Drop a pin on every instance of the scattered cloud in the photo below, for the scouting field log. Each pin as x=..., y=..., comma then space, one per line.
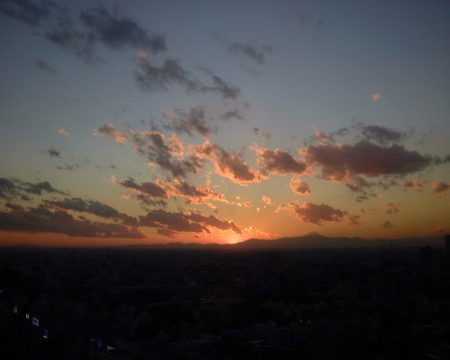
x=391, y=208
x=44, y=66
x=53, y=152
x=414, y=184
x=26, y=11
x=171, y=223
x=278, y=161
x=341, y=161
x=195, y=120
x=267, y=200
x=262, y=134
x=314, y=213
x=227, y=164
x=387, y=225
x=380, y=134
x=151, y=77
x=299, y=187
x=63, y=132
x=376, y=96
x=439, y=187
x=42, y=219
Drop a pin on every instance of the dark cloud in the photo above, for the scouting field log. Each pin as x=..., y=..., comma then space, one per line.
x=234, y=113
x=174, y=222
x=380, y=134
x=248, y=50
x=165, y=153
x=79, y=43
x=155, y=78
x=53, y=152
x=44, y=66
x=279, y=162
x=316, y=214
x=80, y=35
x=92, y=207
x=118, y=32
x=148, y=188
x=228, y=164
x=364, y=158
x=195, y=120
x=27, y=11
x=159, y=78
x=8, y=188
x=42, y=219
x=39, y=188
x=13, y=188
x=439, y=187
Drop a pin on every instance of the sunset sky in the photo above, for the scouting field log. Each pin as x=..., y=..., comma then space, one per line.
x=217, y=121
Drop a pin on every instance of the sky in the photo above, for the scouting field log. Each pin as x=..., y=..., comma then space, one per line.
x=141, y=122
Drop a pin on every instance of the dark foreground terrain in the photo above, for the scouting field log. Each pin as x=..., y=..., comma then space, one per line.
x=380, y=303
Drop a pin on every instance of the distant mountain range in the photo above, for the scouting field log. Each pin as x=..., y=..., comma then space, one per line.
x=308, y=241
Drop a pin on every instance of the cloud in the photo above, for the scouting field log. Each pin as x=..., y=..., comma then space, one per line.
x=109, y=130
x=234, y=113
x=42, y=219
x=376, y=96
x=164, y=153
x=148, y=188
x=387, y=225
x=227, y=164
x=175, y=222
x=13, y=188
x=278, y=161
x=7, y=188
x=391, y=208
x=156, y=78
x=341, y=161
x=26, y=11
x=119, y=32
x=267, y=200
x=314, y=213
x=44, y=66
x=262, y=134
x=380, y=134
x=248, y=50
x=195, y=120
x=63, y=132
x=53, y=152
x=414, y=184
x=92, y=207
x=439, y=187
x=299, y=187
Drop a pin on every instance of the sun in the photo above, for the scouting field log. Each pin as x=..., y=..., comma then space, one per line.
x=233, y=238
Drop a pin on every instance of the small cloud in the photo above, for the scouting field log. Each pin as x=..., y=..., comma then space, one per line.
x=387, y=225
x=376, y=97
x=53, y=152
x=439, y=187
x=267, y=200
x=299, y=187
x=391, y=208
x=63, y=132
x=44, y=66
